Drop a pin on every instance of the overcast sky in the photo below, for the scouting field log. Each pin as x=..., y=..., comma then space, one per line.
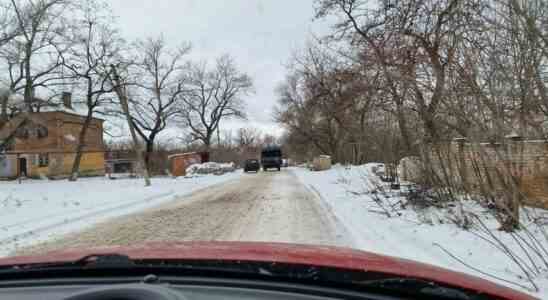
x=260, y=34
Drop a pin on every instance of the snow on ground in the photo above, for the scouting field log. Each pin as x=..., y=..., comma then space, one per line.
x=408, y=236
x=211, y=168
x=38, y=210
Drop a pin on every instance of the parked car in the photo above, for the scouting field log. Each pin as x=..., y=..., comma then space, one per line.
x=271, y=158
x=252, y=165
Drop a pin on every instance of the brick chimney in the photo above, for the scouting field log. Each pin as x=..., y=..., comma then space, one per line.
x=67, y=100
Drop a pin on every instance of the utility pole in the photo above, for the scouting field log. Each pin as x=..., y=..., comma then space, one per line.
x=122, y=96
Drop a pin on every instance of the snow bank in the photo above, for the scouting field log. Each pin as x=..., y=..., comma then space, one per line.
x=211, y=168
x=347, y=193
x=38, y=210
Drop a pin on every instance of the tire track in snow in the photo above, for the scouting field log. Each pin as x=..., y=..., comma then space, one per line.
x=50, y=216
x=344, y=234
x=92, y=214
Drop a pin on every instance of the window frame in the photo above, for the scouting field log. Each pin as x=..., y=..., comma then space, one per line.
x=43, y=160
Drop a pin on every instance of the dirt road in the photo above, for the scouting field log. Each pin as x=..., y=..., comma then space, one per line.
x=268, y=206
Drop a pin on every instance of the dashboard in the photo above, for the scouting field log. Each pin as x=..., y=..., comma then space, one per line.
x=176, y=289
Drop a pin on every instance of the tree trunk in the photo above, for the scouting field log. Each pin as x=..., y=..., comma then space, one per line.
x=512, y=202
x=402, y=124
x=207, y=145
x=511, y=221
x=136, y=144
x=148, y=151
x=122, y=96
x=29, y=93
x=207, y=140
x=28, y=98
x=4, y=110
x=80, y=148
x=218, y=135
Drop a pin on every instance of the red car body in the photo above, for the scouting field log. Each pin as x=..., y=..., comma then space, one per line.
x=340, y=258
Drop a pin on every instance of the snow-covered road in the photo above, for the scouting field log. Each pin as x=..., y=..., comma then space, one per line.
x=268, y=206
x=333, y=207
x=39, y=210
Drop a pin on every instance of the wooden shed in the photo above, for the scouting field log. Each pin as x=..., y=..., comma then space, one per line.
x=180, y=162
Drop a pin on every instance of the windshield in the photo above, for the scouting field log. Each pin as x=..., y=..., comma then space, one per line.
x=272, y=153
x=412, y=129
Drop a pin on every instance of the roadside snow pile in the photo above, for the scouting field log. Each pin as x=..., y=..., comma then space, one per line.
x=382, y=220
x=211, y=168
x=38, y=210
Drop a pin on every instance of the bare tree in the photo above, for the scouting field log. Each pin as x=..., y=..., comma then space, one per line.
x=247, y=137
x=8, y=32
x=526, y=22
x=9, y=29
x=95, y=47
x=213, y=95
x=366, y=27
x=475, y=69
x=326, y=100
x=34, y=57
x=160, y=83
x=248, y=142
x=297, y=115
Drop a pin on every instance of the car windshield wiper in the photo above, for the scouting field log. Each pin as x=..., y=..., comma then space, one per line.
x=123, y=262
x=99, y=260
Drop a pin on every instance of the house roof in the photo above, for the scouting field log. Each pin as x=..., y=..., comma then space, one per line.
x=8, y=130
x=66, y=111
x=18, y=101
x=62, y=109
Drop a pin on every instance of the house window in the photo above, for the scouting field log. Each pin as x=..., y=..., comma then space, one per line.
x=42, y=132
x=22, y=133
x=43, y=160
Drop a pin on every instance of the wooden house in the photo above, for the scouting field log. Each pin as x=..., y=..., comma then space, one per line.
x=44, y=144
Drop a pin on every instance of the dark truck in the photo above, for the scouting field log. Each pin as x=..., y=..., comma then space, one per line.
x=271, y=158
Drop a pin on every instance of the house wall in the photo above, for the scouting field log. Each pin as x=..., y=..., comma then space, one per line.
x=59, y=145
x=63, y=133
x=8, y=166
x=60, y=165
x=32, y=142
x=92, y=164
x=70, y=130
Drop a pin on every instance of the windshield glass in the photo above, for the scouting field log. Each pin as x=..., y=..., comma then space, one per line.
x=412, y=129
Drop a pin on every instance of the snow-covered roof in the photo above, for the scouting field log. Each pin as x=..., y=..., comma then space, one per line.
x=513, y=135
x=16, y=99
x=182, y=154
x=62, y=108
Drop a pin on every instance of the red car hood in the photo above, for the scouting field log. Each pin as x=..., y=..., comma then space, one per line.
x=335, y=257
